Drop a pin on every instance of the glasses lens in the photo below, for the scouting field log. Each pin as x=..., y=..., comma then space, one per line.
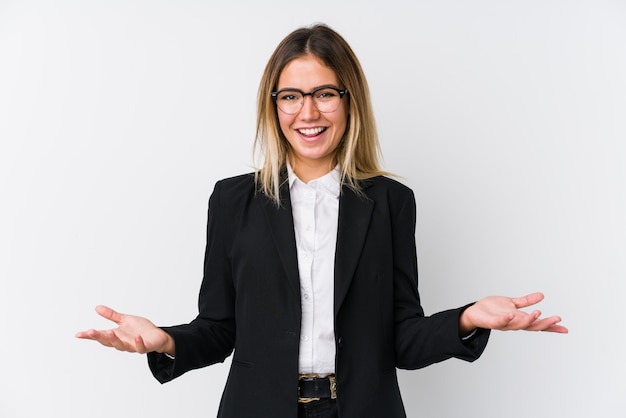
x=326, y=100
x=289, y=101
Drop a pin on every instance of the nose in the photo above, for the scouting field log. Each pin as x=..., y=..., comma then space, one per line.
x=308, y=111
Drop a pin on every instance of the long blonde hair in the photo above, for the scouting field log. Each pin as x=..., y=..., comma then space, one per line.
x=358, y=153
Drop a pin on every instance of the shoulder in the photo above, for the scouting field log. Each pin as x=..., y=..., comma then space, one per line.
x=396, y=199
x=386, y=185
x=234, y=188
x=237, y=182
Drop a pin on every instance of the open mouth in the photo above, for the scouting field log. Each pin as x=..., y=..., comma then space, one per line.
x=311, y=132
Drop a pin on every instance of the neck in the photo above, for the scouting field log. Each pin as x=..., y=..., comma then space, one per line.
x=307, y=172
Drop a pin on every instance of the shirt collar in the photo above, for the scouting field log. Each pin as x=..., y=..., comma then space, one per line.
x=330, y=182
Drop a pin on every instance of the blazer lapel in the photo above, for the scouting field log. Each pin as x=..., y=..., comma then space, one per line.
x=283, y=235
x=354, y=217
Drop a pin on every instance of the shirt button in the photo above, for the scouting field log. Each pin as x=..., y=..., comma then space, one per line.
x=305, y=338
x=306, y=295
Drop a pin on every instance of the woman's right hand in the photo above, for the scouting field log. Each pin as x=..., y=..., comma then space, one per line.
x=133, y=334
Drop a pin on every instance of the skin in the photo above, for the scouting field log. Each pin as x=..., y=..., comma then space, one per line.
x=504, y=314
x=312, y=156
x=134, y=334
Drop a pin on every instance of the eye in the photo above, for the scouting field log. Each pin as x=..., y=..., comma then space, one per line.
x=289, y=96
x=325, y=94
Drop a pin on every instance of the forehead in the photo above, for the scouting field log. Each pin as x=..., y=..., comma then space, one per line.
x=306, y=73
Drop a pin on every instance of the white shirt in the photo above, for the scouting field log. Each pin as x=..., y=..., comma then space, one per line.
x=315, y=207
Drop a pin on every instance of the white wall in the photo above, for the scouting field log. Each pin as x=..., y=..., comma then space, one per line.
x=507, y=118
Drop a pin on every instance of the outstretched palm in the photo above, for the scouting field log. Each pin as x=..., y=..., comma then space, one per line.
x=133, y=333
x=503, y=313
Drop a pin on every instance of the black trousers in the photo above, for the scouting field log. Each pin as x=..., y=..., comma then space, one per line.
x=324, y=408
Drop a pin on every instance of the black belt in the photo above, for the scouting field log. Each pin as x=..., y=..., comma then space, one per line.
x=315, y=388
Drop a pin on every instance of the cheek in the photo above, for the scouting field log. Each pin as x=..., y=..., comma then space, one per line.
x=342, y=119
x=342, y=124
x=284, y=122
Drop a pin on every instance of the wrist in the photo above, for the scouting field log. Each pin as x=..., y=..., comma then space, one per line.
x=169, y=347
x=466, y=326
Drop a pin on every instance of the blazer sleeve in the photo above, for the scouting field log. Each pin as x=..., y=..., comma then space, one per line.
x=422, y=340
x=210, y=337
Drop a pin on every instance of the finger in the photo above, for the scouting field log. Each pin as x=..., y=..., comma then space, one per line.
x=558, y=329
x=528, y=322
x=100, y=336
x=116, y=342
x=504, y=321
x=527, y=300
x=90, y=334
x=108, y=313
x=546, y=324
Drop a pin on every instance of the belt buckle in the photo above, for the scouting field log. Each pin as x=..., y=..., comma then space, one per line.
x=333, y=386
x=304, y=377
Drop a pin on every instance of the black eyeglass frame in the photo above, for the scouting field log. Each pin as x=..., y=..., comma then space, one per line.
x=341, y=93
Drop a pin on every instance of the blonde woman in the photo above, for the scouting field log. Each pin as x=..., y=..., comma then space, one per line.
x=310, y=277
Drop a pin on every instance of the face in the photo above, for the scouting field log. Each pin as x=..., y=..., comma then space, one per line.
x=313, y=135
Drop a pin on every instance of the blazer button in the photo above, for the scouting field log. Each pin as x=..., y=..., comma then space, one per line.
x=340, y=342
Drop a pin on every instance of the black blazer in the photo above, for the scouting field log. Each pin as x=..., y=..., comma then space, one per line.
x=250, y=301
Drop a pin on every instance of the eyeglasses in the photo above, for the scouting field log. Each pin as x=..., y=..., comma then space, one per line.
x=325, y=98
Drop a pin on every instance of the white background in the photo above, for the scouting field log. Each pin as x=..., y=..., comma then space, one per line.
x=507, y=118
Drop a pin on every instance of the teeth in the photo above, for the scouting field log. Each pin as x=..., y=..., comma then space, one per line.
x=311, y=131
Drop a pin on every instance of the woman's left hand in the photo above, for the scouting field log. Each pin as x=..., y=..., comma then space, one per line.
x=503, y=313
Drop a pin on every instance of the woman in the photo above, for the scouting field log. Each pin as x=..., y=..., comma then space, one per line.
x=310, y=268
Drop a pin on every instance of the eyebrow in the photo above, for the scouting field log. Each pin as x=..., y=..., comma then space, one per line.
x=314, y=88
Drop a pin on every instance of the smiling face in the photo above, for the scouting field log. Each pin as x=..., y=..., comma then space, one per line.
x=313, y=136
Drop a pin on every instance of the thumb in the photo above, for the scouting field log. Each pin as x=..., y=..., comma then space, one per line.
x=528, y=300
x=108, y=313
